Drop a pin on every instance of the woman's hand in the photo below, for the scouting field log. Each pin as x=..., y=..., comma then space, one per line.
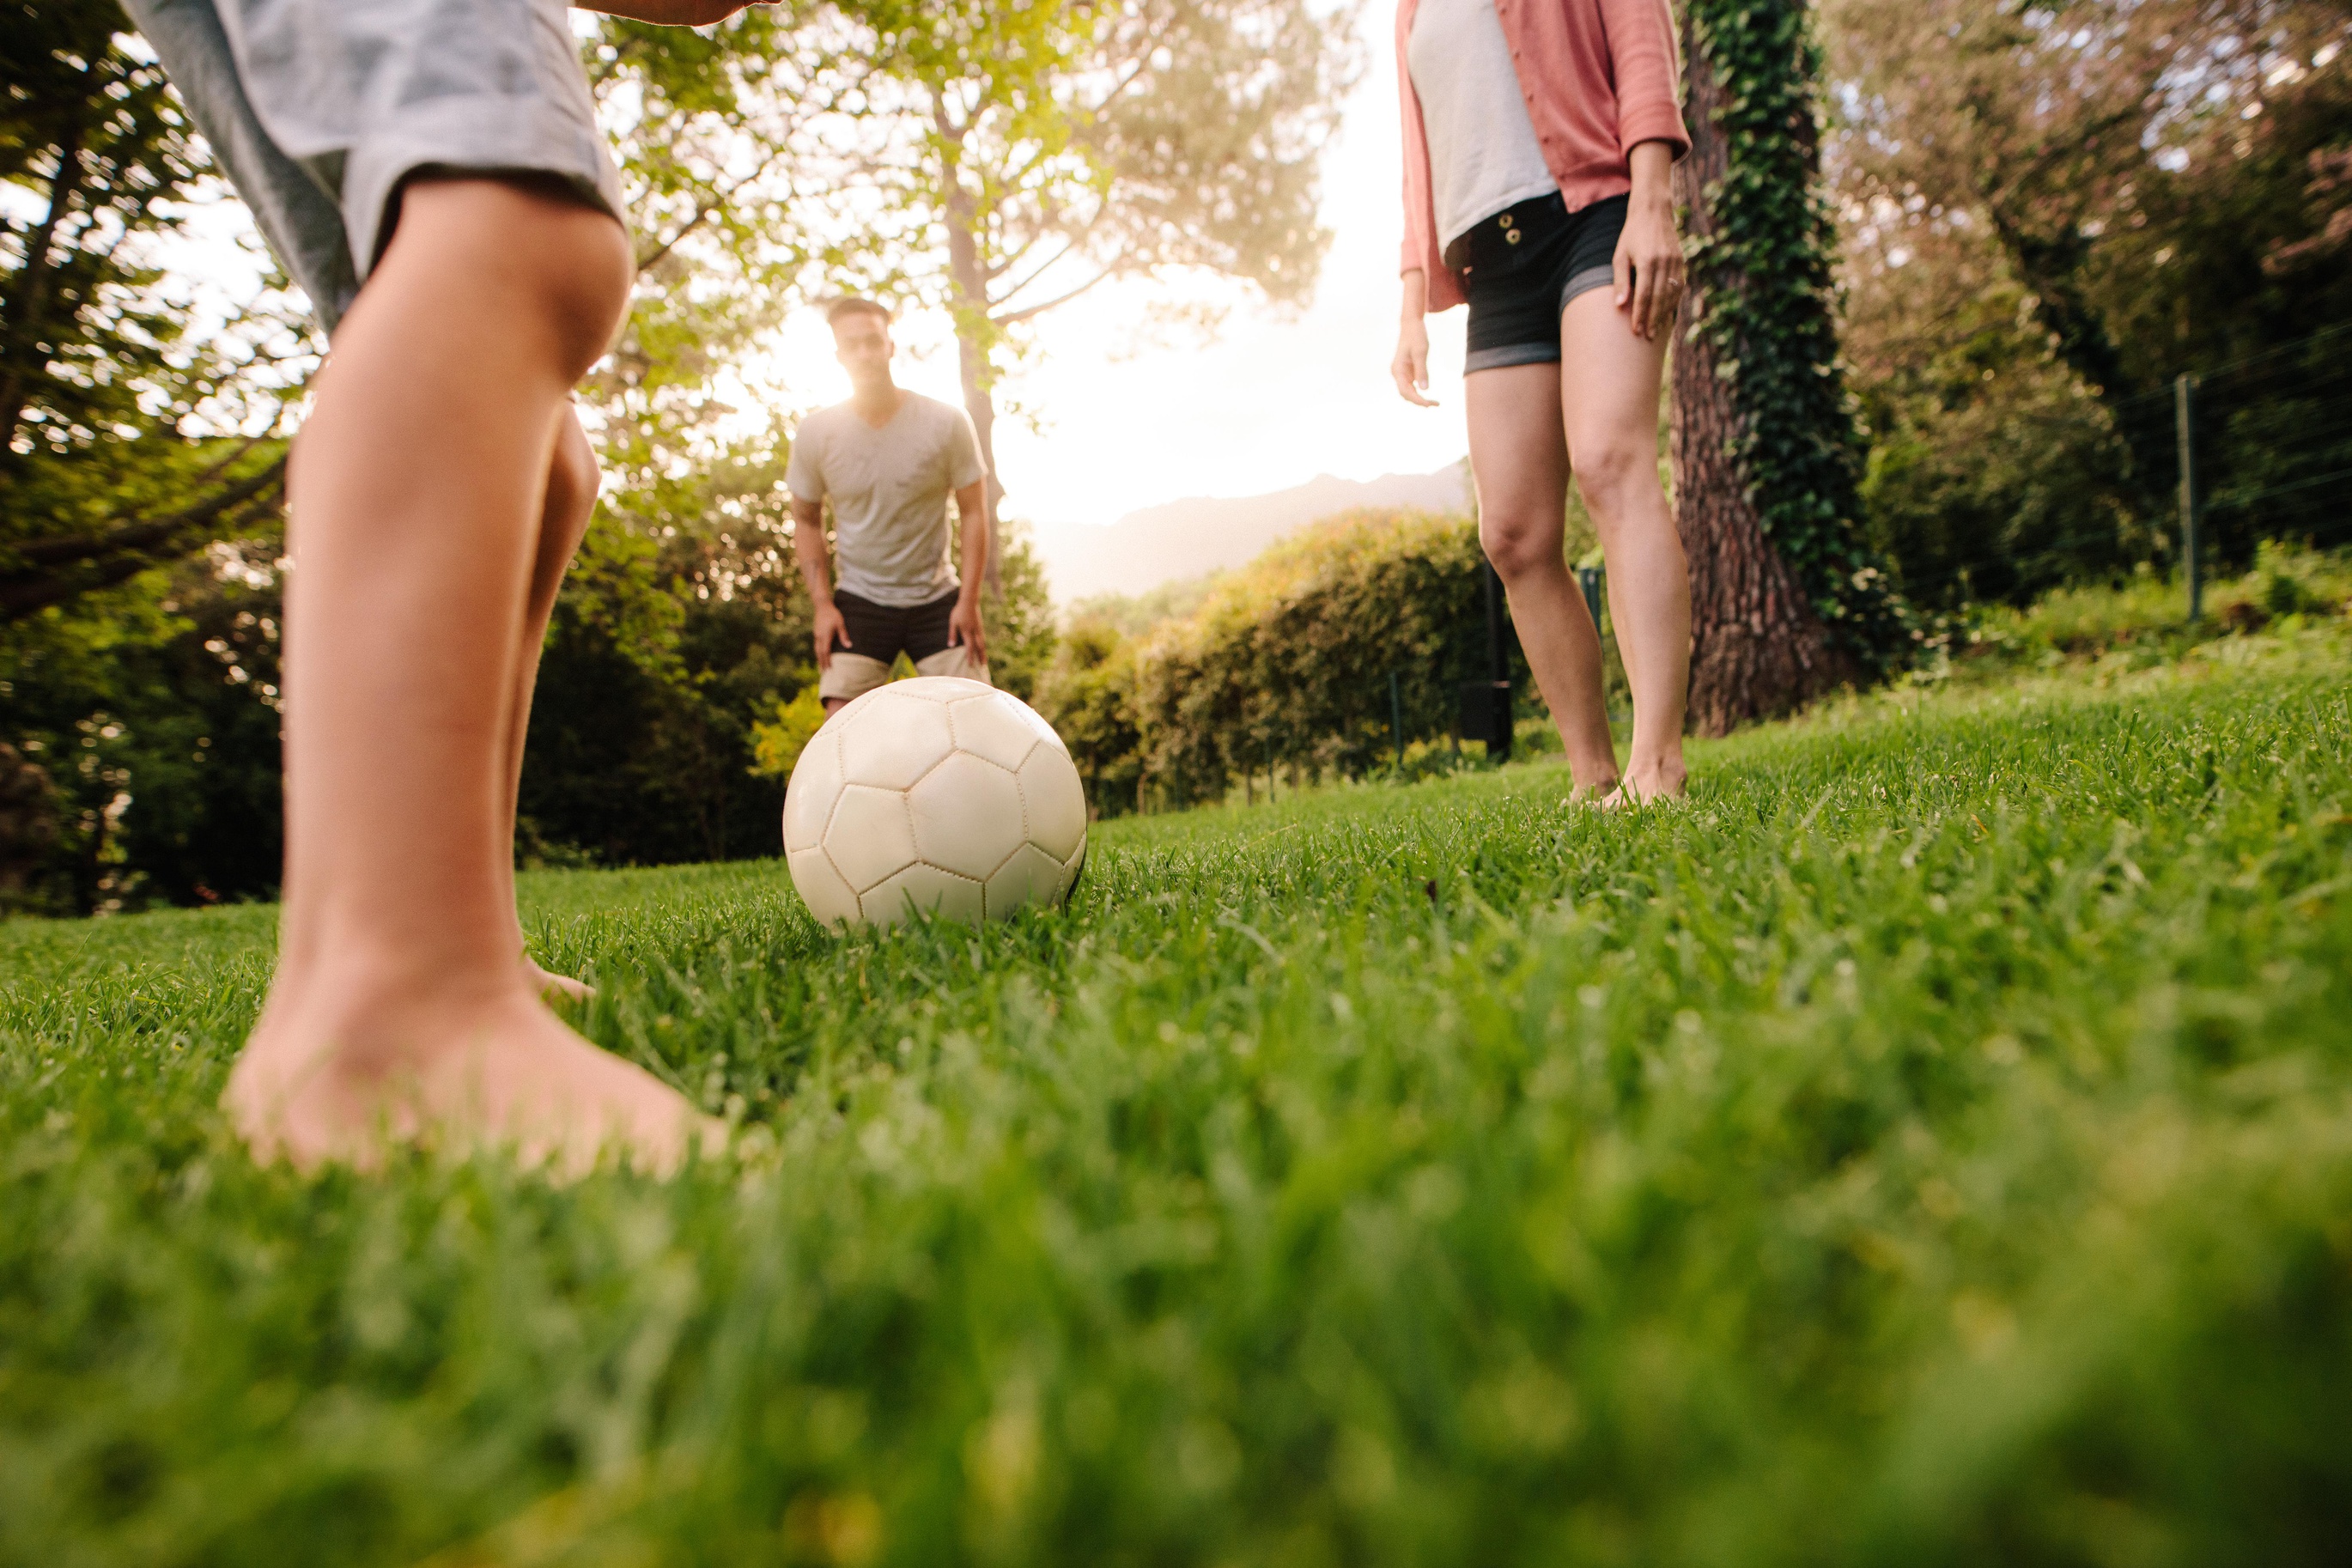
x=1649, y=259
x=1410, y=368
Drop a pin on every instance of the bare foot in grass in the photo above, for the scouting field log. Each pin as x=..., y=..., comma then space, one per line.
x=547, y=983
x=340, y=1077
x=1648, y=786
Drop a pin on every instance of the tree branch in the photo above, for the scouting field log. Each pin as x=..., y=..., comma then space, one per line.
x=48, y=574
x=1043, y=306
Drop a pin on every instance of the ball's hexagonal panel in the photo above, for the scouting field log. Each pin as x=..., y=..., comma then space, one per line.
x=926, y=888
x=967, y=815
x=991, y=726
x=828, y=898
x=1070, y=875
x=870, y=836
x=939, y=688
x=808, y=799
x=893, y=738
x=1056, y=802
x=1035, y=720
x=1032, y=876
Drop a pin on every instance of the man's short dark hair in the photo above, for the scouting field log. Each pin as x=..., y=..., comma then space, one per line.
x=855, y=305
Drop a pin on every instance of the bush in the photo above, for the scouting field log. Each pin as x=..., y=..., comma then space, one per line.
x=1088, y=694
x=1288, y=661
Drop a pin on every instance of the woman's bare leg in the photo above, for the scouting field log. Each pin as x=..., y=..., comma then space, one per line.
x=1521, y=460
x=1610, y=406
x=572, y=482
x=416, y=495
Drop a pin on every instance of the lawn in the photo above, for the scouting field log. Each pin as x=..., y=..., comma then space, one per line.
x=1932, y=1144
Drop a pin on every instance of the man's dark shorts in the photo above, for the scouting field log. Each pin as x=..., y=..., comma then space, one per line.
x=878, y=634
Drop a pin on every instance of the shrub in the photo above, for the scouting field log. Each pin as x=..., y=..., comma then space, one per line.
x=1288, y=661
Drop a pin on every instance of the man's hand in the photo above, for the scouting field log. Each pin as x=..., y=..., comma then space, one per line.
x=964, y=627
x=829, y=625
x=674, y=13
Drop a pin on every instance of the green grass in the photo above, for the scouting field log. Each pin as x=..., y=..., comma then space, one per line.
x=1932, y=1145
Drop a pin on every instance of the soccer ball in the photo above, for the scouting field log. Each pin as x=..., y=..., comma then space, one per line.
x=937, y=794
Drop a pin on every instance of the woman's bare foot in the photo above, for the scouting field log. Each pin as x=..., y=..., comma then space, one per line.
x=1596, y=793
x=340, y=1072
x=1647, y=786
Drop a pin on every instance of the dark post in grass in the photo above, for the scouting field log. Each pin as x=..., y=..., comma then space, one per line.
x=1587, y=578
x=1396, y=716
x=2184, y=431
x=1499, y=672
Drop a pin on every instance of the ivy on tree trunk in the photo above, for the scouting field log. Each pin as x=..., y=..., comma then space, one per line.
x=1786, y=600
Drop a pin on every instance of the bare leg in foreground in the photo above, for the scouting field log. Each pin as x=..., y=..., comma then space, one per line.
x=572, y=481
x=417, y=492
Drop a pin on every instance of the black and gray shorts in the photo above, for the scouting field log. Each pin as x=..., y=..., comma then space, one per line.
x=1521, y=266
x=317, y=109
x=878, y=634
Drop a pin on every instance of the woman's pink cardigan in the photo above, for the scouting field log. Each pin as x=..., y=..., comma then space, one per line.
x=1600, y=76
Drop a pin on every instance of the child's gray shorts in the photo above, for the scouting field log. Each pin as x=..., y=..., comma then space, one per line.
x=319, y=109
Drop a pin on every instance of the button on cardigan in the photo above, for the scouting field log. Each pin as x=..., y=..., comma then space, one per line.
x=1600, y=78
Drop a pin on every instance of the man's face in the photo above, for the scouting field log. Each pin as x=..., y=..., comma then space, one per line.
x=861, y=342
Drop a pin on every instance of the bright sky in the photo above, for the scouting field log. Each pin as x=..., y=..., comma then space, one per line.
x=1268, y=404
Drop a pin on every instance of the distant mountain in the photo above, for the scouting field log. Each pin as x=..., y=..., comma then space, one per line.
x=1187, y=537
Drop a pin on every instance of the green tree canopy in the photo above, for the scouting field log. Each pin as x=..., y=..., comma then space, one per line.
x=139, y=425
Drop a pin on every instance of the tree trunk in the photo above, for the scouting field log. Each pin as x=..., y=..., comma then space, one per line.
x=1758, y=649
x=972, y=355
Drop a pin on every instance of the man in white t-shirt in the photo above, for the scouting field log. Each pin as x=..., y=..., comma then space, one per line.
x=887, y=461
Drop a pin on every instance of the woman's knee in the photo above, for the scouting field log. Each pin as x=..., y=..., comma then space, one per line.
x=1517, y=546
x=1610, y=471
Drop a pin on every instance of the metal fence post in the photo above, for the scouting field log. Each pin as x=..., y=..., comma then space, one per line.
x=2184, y=431
x=1498, y=666
x=1396, y=716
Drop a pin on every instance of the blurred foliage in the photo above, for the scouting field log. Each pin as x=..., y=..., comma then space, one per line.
x=1088, y=694
x=1137, y=614
x=139, y=486
x=1287, y=663
x=2049, y=212
x=777, y=743
x=138, y=419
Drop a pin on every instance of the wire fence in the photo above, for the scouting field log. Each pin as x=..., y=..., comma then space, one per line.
x=2264, y=441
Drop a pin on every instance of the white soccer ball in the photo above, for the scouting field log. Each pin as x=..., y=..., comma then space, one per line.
x=936, y=794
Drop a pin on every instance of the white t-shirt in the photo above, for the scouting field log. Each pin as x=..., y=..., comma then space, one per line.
x=1483, y=152
x=889, y=490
